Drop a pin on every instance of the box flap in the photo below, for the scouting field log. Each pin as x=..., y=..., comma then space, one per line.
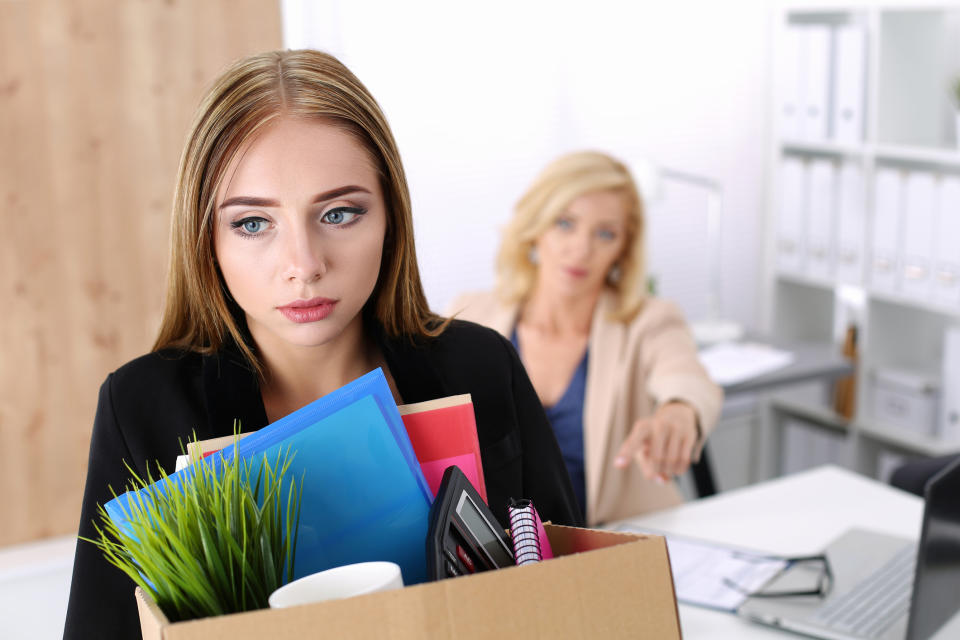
x=152, y=618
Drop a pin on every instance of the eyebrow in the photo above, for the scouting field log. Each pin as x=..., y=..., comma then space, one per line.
x=267, y=202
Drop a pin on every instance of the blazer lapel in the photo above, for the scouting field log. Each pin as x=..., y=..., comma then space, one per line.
x=232, y=393
x=413, y=371
x=606, y=345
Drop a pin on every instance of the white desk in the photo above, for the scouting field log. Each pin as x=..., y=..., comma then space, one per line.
x=34, y=587
x=793, y=515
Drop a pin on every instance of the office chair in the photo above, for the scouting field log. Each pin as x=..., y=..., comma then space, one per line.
x=702, y=472
x=913, y=475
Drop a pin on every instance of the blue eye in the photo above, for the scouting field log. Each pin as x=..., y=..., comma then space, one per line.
x=251, y=226
x=342, y=215
x=606, y=234
x=564, y=223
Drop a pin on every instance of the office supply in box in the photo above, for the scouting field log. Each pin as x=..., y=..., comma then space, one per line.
x=364, y=496
x=199, y=449
x=444, y=432
x=527, y=535
x=601, y=584
x=464, y=536
x=905, y=399
x=345, y=581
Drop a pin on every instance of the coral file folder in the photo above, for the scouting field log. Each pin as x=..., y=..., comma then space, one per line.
x=443, y=432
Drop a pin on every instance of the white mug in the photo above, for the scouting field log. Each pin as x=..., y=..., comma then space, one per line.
x=338, y=582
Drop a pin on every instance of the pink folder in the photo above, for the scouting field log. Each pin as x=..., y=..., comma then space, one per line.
x=443, y=433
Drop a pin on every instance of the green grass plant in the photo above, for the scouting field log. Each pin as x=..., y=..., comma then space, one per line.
x=214, y=541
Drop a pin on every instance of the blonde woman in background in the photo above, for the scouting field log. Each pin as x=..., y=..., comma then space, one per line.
x=616, y=370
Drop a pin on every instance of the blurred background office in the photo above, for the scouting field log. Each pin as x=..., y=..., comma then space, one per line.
x=799, y=160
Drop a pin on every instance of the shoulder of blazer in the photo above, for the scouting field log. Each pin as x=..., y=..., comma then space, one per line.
x=654, y=315
x=157, y=367
x=462, y=337
x=473, y=304
x=486, y=308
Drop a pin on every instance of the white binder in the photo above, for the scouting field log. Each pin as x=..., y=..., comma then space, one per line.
x=816, y=46
x=820, y=218
x=848, y=84
x=946, y=267
x=885, y=248
x=949, y=427
x=790, y=83
x=851, y=228
x=793, y=195
x=918, y=223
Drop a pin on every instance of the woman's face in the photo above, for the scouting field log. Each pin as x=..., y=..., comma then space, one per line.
x=578, y=250
x=298, y=232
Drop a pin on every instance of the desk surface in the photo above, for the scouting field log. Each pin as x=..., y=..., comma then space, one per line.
x=812, y=361
x=793, y=515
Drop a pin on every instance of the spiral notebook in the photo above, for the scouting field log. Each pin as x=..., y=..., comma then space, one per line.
x=530, y=542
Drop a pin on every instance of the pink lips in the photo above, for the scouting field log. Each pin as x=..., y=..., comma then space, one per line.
x=311, y=310
x=576, y=273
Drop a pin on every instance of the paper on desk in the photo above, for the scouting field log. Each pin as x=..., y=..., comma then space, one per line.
x=699, y=569
x=733, y=362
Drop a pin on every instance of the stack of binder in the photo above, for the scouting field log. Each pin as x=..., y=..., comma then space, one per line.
x=821, y=83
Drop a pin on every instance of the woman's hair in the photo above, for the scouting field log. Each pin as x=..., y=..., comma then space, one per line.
x=561, y=182
x=250, y=94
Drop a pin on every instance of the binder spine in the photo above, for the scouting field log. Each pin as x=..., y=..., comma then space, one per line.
x=524, y=532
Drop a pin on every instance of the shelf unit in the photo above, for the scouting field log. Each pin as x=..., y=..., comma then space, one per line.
x=818, y=283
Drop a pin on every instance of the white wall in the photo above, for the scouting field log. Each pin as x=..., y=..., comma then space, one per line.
x=481, y=96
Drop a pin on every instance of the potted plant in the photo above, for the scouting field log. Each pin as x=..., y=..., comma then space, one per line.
x=213, y=539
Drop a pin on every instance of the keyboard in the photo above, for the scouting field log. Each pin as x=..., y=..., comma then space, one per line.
x=876, y=602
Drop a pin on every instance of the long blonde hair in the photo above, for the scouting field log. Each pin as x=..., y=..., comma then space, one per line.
x=246, y=97
x=561, y=182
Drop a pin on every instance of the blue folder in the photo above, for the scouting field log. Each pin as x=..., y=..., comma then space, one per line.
x=364, y=495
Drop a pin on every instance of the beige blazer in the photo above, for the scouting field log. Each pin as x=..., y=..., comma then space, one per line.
x=632, y=368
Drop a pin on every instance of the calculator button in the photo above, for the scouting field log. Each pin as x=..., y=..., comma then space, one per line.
x=452, y=570
x=451, y=557
x=466, y=560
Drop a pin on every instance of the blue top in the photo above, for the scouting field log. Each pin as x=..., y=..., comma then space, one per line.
x=566, y=418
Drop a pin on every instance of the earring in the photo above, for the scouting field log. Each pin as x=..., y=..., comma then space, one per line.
x=613, y=276
x=533, y=256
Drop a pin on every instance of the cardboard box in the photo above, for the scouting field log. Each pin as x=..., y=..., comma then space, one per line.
x=602, y=585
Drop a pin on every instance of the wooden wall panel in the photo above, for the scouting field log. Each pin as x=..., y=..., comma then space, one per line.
x=95, y=100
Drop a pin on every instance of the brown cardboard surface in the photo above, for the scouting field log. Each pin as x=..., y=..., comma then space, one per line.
x=620, y=588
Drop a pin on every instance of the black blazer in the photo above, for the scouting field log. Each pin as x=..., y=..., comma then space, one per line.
x=148, y=406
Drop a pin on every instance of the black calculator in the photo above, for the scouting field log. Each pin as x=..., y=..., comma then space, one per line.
x=464, y=535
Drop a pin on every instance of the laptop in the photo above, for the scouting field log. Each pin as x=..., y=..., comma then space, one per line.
x=882, y=587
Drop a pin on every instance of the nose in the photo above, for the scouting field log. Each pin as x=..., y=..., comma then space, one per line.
x=304, y=259
x=581, y=244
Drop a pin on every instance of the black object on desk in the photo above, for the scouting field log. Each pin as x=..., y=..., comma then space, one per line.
x=703, y=475
x=464, y=536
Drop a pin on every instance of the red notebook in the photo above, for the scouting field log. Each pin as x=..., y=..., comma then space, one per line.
x=443, y=433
